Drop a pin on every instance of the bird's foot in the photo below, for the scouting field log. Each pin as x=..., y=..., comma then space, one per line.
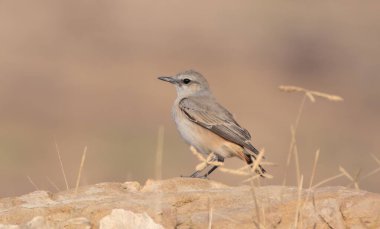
x=203, y=177
x=196, y=175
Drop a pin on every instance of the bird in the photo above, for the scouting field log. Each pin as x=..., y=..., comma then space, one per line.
x=206, y=125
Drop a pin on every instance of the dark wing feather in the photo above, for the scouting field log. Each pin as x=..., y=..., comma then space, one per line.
x=205, y=112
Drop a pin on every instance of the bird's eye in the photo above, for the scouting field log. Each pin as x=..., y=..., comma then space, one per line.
x=186, y=81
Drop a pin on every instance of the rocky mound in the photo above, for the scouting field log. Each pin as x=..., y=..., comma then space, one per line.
x=191, y=203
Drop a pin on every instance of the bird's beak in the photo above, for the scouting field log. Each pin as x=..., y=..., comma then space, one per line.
x=168, y=79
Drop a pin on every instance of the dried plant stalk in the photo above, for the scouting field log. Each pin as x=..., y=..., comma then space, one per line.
x=32, y=182
x=159, y=152
x=328, y=180
x=80, y=169
x=310, y=94
x=52, y=184
x=199, y=156
x=299, y=202
x=375, y=170
x=61, y=164
x=243, y=171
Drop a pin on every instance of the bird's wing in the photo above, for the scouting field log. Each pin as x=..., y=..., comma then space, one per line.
x=209, y=114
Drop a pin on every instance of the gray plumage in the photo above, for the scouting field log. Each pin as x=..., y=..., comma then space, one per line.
x=206, y=112
x=205, y=124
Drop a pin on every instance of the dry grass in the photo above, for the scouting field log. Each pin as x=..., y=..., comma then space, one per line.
x=80, y=169
x=373, y=172
x=246, y=170
x=327, y=180
x=293, y=129
x=314, y=168
x=260, y=222
x=210, y=213
x=293, y=149
x=299, y=203
x=159, y=152
x=311, y=94
x=53, y=184
x=249, y=171
x=355, y=179
x=210, y=160
x=32, y=182
x=61, y=164
x=293, y=141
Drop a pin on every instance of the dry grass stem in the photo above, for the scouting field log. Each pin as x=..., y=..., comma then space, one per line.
x=159, y=152
x=199, y=156
x=201, y=166
x=346, y=173
x=53, y=184
x=80, y=169
x=210, y=160
x=290, y=153
x=62, y=168
x=234, y=171
x=31, y=181
x=296, y=159
x=371, y=173
x=267, y=175
x=269, y=163
x=253, y=188
x=257, y=207
x=357, y=177
x=299, y=113
x=311, y=94
x=375, y=170
x=293, y=130
x=210, y=218
x=252, y=178
x=328, y=180
x=243, y=171
x=314, y=168
x=293, y=142
x=258, y=160
x=299, y=202
x=354, y=180
x=210, y=213
x=247, y=167
x=334, y=98
x=375, y=158
x=312, y=177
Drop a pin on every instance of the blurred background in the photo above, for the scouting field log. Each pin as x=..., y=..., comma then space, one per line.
x=84, y=73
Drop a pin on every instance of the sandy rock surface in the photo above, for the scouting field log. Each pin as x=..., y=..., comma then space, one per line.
x=191, y=203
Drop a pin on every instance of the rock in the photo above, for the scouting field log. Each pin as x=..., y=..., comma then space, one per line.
x=191, y=203
x=120, y=218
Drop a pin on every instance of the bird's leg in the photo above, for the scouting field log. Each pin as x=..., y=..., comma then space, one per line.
x=212, y=158
x=210, y=171
x=197, y=173
x=219, y=159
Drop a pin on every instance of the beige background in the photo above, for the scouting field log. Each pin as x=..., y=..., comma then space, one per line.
x=84, y=73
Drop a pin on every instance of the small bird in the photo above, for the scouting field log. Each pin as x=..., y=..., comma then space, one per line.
x=206, y=125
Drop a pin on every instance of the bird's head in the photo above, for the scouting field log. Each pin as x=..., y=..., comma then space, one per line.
x=188, y=83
